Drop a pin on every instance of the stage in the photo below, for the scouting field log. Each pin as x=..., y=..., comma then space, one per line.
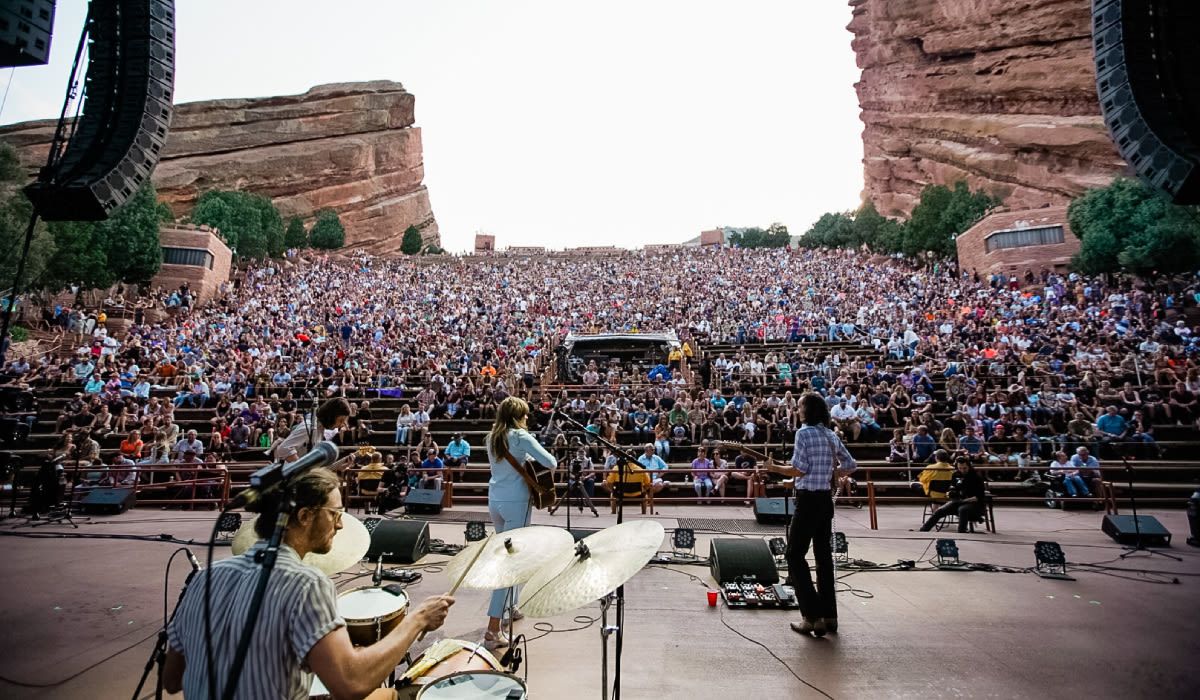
x=87, y=611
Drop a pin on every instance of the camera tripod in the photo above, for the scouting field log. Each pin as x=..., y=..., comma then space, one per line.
x=577, y=496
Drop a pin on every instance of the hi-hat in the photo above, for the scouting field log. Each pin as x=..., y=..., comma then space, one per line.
x=594, y=568
x=350, y=545
x=508, y=558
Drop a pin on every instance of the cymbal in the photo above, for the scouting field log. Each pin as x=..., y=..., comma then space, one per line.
x=508, y=558
x=594, y=568
x=350, y=545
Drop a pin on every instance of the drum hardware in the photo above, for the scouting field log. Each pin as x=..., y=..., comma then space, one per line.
x=158, y=655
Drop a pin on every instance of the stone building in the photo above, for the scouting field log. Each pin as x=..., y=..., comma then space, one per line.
x=485, y=243
x=1012, y=241
x=195, y=254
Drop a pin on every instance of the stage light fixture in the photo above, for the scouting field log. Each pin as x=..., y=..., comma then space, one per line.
x=228, y=525
x=476, y=531
x=1051, y=561
x=841, y=547
x=947, y=552
x=684, y=538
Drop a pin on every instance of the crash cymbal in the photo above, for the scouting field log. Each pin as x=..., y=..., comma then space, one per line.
x=508, y=558
x=594, y=568
x=350, y=544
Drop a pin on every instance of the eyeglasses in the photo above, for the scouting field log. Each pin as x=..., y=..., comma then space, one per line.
x=337, y=512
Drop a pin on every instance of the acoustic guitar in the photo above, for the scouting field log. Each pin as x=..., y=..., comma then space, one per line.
x=540, y=480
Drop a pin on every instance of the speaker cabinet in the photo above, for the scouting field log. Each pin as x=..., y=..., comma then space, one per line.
x=127, y=110
x=397, y=541
x=735, y=559
x=1121, y=528
x=26, y=27
x=772, y=511
x=423, y=501
x=1144, y=53
x=108, y=501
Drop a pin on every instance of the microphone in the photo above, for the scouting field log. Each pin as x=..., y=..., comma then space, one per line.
x=193, y=561
x=322, y=454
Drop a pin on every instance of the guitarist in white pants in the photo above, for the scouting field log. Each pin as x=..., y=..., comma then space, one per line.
x=508, y=494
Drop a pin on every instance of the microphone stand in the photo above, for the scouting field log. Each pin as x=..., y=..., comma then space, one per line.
x=159, y=654
x=624, y=458
x=1137, y=527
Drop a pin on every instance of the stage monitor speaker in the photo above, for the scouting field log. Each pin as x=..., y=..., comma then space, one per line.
x=126, y=112
x=423, y=501
x=398, y=541
x=1121, y=528
x=1146, y=53
x=109, y=501
x=772, y=511
x=735, y=559
x=25, y=30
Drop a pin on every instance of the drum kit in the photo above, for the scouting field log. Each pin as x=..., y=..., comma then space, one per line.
x=558, y=574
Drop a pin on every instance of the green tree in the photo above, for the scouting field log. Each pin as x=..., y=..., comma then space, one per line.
x=878, y=232
x=412, y=242
x=327, y=232
x=97, y=254
x=250, y=223
x=775, y=236
x=832, y=230
x=941, y=215
x=1129, y=226
x=15, y=210
x=295, y=236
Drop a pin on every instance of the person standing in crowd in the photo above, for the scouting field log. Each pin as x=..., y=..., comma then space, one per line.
x=509, y=444
x=818, y=455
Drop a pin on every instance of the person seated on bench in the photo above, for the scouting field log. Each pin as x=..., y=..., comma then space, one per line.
x=937, y=475
x=1062, y=467
x=1088, y=467
x=637, y=483
x=967, y=495
x=655, y=465
x=747, y=470
x=432, y=469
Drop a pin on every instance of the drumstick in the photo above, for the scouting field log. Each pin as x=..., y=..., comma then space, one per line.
x=463, y=576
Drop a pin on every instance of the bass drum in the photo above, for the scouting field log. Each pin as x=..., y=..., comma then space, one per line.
x=475, y=685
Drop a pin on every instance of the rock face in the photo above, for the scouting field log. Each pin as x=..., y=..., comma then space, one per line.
x=1000, y=93
x=350, y=147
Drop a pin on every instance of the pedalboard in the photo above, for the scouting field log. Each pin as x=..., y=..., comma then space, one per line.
x=746, y=595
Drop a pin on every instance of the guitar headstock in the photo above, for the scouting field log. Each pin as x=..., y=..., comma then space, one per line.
x=741, y=448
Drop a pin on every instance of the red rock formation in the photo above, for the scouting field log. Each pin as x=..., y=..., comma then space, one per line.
x=1000, y=93
x=351, y=147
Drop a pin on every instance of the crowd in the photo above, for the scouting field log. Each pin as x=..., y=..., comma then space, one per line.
x=1003, y=370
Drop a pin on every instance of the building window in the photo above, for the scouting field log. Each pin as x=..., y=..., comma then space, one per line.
x=1020, y=238
x=195, y=257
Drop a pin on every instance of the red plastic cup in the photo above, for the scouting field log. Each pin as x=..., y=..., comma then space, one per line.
x=712, y=599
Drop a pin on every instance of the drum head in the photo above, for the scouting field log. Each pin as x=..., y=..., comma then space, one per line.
x=474, y=685
x=369, y=603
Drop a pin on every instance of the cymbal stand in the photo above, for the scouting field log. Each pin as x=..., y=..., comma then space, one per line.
x=624, y=459
x=605, y=630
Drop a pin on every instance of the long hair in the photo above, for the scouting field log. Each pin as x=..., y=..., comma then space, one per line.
x=511, y=414
x=816, y=411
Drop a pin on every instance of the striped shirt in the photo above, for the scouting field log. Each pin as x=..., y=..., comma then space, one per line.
x=299, y=609
x=813, y=455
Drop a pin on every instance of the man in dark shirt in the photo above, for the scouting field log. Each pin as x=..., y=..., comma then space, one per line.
x=1183, y=403
x=967, y=497
x=923, y=445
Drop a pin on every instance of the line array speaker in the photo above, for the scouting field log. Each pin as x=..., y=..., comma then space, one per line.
x=25, y=30
x=1146, y=53
x=126, y=112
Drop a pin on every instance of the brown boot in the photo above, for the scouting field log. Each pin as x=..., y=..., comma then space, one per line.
x=813, y=627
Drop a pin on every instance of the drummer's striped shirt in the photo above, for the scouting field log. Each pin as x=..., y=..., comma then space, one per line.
x=299, y=608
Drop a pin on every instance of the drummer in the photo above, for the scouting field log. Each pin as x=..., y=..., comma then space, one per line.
x=299, y=631
x=508, y=495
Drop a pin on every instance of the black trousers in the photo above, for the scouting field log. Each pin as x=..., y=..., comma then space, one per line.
x=967, y=512
x=812, y=525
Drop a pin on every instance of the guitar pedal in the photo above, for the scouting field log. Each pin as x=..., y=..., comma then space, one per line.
x=786, y=595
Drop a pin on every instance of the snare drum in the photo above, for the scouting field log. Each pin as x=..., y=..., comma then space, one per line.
x=475, y=685
x=370, y=613
x=457, y=657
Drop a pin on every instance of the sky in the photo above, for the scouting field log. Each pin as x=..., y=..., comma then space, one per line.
x=554, y=122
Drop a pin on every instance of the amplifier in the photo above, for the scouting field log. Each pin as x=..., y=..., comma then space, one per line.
x=1121, y=528
x=741, y=560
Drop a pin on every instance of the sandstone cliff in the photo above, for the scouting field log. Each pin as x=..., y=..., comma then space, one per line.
x=1000, y=93
x=351, y=147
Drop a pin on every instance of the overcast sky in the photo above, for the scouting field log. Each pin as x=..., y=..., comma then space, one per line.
x=555, y=123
